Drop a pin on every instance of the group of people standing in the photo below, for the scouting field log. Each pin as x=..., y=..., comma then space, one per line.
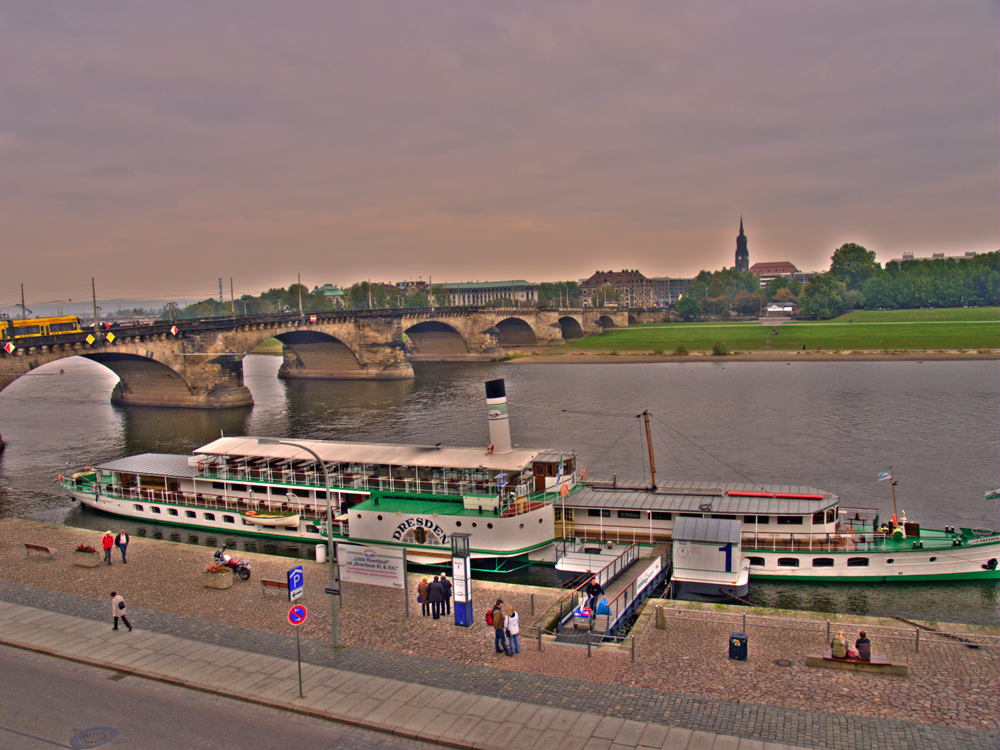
x=109, y=541
x=506, y=629
x=435, y=596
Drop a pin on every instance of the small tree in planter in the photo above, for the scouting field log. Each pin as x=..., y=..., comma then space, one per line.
x=86, y=556
x=217, y=576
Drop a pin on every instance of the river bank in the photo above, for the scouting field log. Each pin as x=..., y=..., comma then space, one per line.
x=554, y=356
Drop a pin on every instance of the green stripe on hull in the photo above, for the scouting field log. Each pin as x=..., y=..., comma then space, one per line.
x=978, y=575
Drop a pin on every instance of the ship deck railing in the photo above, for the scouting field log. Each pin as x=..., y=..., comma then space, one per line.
x=360, y=479
x=199, y=500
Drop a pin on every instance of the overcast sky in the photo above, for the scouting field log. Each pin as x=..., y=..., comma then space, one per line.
x=159, y=146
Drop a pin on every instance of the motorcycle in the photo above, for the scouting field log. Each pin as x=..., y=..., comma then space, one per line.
x=239, y=567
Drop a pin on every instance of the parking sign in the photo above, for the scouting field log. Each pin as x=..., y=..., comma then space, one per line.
x=296, y=583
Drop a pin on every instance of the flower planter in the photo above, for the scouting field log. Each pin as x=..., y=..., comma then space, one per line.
x=217, y=580
x=86, y=559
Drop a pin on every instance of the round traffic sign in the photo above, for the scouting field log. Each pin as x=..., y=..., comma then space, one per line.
x=297, y=615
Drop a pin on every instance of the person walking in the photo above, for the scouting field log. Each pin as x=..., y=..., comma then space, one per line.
x=436, y=594
x=513, y=628
x=499, y=642
x=118, y=610
x=447, y=594
x=107, y=541
x=593, y=590
x=121, y=541
x=425, y=603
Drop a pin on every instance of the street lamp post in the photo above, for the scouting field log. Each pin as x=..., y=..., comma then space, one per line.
x=331, y=558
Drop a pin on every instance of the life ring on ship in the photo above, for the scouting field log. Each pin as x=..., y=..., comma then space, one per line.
x=201, y=466
x=564, y=490
x=250, y=513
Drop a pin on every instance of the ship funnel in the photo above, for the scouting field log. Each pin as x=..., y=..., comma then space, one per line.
x=496, y=409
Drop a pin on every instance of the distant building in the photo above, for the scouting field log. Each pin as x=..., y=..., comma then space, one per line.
x=742, y=253
x=933, y=256
x=476, y=294
x=667, y=290
x=772, y=270
x=335, y=294
x=635, y=290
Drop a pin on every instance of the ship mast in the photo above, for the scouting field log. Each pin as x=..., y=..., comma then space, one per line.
x=649, y=446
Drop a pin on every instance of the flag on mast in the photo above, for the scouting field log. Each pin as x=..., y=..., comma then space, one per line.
x=993, y=495
x=884, y=474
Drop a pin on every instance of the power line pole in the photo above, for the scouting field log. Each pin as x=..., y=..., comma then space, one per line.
x=93, y=291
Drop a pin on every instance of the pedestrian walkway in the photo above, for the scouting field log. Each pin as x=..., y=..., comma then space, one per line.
x=460, y=705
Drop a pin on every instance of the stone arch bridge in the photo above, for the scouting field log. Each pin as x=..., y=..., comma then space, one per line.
x=199, y=364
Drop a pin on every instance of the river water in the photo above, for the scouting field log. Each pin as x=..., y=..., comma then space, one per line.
x=831, y=425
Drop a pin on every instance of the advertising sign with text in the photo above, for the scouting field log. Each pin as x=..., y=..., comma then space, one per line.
x=377, y=566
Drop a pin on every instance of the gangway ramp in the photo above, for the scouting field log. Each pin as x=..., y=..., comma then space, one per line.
x=625, y=590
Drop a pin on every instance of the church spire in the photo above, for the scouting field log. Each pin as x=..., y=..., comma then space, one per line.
x=742, y=253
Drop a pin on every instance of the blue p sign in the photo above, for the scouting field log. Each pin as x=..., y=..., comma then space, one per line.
x=296, y=583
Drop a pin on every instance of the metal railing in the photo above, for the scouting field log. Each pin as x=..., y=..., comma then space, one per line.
x=826, y=628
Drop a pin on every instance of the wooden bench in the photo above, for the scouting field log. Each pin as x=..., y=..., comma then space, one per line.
x=29, y=548
x=265, y=584
x=877, y=664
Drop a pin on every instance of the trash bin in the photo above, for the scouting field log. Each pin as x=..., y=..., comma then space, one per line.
x=321, y=553
x=738, y=646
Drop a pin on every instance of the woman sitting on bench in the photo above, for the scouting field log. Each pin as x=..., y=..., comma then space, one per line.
x=838, y=646
x=864, y=647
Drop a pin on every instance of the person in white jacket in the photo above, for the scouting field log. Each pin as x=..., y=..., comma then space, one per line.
x=512, y=627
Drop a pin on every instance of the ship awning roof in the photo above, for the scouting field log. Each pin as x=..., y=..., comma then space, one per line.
x=736, y=498
x=707, y=530
x=160, y=464
x=384, y=454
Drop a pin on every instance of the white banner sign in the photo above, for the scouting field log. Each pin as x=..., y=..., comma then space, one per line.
x=377, y=566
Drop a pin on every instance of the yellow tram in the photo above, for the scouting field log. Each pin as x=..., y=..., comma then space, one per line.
x=18, y=329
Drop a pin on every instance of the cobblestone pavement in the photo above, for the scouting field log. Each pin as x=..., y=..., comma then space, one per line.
x=681, y=675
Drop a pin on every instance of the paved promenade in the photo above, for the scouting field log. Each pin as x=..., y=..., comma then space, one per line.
x=429, y=680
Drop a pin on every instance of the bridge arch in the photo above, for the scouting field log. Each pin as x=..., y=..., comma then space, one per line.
x=606, y=322
x=432, y=339
x=143, y=381
x=312, y=354
x=632, y=320
x=571, y=328
x=515, y=332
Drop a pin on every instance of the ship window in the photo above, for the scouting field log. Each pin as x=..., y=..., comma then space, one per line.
x=137, y=507
x=218, y=485
x=857, y=562
x=788, y=562
x=209, y=516
x=229, y=519
x=238, y=487
x=661, y=516
x=831, y=515
x=933, y=559
x=359, y=516
x=310, y=529
x=599, y=513
x=521, y=526
x=822, y=562
x=489, y=526
x=155, y=509
x=473, y=524
x=756, y=519
x=756, y=560
x=458, y=523
x=628, y=514
x=172, y=511
x=723, y=516
x=190, y=514
x=690, y=515
x=789, y=520
x=818, y=517
x=258, y=488
x=890, y=561
x=380, y=518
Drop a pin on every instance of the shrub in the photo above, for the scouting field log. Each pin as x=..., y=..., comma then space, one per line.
x=216, y=568
x=719, y=349
x=85, y=548
x=681, y=350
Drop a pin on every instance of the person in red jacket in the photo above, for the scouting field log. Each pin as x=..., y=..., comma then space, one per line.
x=108, y=542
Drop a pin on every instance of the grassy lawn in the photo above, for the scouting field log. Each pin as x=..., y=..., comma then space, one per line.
x=912, y=330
